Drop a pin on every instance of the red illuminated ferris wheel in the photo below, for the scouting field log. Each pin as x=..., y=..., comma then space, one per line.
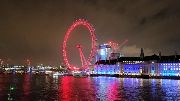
x=85, y=62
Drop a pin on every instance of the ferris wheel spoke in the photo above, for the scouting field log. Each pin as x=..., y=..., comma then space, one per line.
x=82, y=57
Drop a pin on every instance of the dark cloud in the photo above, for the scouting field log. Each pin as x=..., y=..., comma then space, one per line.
x=35, y=28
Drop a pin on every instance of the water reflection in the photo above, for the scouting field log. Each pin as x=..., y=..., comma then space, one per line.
x=106, y=88
x=65, y=88
x=26, y=85
x=71, y=88
x=48, y=88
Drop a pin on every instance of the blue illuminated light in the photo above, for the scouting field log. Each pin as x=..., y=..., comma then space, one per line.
x=155, y=69
x=132, y=68
x=107, y=69
x=170, y=71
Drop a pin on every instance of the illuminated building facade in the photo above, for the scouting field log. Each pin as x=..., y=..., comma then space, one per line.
x=169, y=69
x=169, y=66
x=155, y=65
x=107, y=69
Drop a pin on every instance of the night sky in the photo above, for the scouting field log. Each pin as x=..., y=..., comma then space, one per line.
x=34, y=29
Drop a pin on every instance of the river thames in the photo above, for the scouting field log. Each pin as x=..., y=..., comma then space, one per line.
x=68, y=88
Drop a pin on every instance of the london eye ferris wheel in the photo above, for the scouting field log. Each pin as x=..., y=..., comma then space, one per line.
x=85, y=61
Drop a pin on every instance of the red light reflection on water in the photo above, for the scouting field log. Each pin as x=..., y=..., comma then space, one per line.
x=76, y=89
x=64, y=89
x=112, y=91
x=26, y=87
x=26, y=84
x=107, y=88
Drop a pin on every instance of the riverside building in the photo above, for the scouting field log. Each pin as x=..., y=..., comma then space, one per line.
x=153, y=66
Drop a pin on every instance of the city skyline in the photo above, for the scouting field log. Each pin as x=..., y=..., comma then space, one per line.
x=35, y=29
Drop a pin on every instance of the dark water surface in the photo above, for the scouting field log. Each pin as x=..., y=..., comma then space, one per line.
x=47, y=88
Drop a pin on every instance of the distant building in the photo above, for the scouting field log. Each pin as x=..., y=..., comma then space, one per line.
x=103, y=52
x=115, y=56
